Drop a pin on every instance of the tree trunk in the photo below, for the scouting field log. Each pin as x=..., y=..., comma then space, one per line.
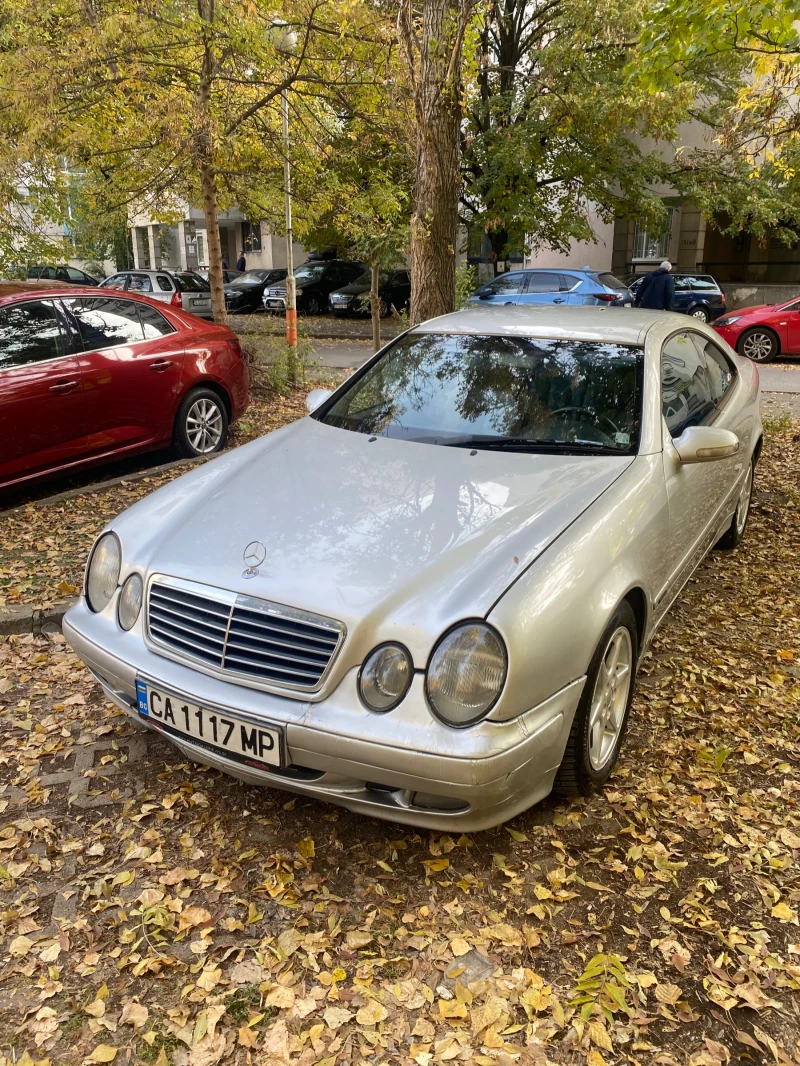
x=205, y=164
x=375, y=306
x=208, y=184
x=434, y=59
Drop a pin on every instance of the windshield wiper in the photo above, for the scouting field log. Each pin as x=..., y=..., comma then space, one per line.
x=529, y=444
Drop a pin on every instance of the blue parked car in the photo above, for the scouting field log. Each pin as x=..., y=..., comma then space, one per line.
x=572, y=287
x=698, y=295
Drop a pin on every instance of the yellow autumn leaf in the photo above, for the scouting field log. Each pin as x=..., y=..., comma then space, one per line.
x=372, y=1013
x=784, y=912
x=102, y=1053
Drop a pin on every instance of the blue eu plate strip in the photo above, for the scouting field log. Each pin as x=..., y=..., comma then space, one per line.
x=141, y=695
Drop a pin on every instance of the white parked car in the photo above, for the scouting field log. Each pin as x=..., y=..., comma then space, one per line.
x=427, y=600
x=183, y=288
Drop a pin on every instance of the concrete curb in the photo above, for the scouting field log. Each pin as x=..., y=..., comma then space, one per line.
x=34, y=620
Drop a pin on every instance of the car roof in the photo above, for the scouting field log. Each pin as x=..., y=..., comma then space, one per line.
x=616, y=324
x=32, y=286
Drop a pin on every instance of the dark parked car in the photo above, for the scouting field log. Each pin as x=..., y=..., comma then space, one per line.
x=227, y=275
x=69, y=274
x=315, y=282
x=697, y=295
x=394, y=290
x=246, y=292
x=88, y=374
x=591, y=288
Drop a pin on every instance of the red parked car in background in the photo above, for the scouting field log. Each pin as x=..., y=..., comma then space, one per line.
x=85, y=377
x=763, y=332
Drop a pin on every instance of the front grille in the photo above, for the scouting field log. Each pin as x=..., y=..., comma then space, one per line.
x=241, y=635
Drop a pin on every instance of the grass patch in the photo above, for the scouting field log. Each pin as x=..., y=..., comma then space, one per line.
x=165, y=1042
x=777, y=423
x=244, y=1001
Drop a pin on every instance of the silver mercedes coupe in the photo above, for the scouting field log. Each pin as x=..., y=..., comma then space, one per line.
x=427, y=600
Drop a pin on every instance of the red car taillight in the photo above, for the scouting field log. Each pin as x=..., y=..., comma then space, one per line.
x=722, y=298
x=608, y=297
x=176, y=300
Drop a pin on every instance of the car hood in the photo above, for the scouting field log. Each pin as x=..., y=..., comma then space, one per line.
x=356, y=288
x=755, y=309
x=387, y=536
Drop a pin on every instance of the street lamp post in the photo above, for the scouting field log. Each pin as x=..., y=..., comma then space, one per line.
x=285, y=40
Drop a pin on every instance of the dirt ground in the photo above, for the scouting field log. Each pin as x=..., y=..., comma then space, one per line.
x=156, y=911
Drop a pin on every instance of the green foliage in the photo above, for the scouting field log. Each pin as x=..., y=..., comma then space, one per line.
x=273, y=365
x=603, y=985
x=744, y=79
x=466, y=283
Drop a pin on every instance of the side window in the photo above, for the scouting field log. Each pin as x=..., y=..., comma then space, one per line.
x=48, y=272
x=570, y=282
x=720, y=373
x=107, y=323
x=61, y=274
x=140, y=283
x=116, y=281
x=154, y=323
x=686, y=396
x=682, y=284
x=164, y=283
x=75, y=275
x=29, y=333
x=544, y=283
x=504, y=285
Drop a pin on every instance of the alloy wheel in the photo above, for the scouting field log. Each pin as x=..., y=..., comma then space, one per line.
x=700, y=313
x=204, y=426
x=610, y=698
x=758, y=347
x=743, y=506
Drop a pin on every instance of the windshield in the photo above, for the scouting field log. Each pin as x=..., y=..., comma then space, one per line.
x=485, y=391
x=314, y=272
x=191, y=283
x=252, y=277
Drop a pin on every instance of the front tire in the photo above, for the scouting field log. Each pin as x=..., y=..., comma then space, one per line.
x=311, y=305
x=602, y=715
x=201, y=425
x=734, y=535
x=758, y=344
x=700, y=314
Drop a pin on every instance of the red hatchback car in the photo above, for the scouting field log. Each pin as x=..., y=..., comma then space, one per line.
x=86, y=377
x=763, y=332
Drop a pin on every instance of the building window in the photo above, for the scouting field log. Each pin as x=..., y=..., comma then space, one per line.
x=201, y=249
x=652, y=245
x=251, y=237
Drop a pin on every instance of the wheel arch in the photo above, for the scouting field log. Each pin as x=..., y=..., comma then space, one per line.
x=214, y=386
x=637, y=599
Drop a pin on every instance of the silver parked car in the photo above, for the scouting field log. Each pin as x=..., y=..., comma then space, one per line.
x=181, y=288
x=427, y=600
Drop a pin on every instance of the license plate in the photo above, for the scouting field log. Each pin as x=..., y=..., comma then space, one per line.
x=201, y=303
x=212, y=730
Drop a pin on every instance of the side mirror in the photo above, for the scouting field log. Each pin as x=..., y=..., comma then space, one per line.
x=485, y=295
x=704, y=444
x=315, y=398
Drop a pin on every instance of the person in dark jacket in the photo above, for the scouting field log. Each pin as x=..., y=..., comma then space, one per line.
x=241, y=263
x=657, y=289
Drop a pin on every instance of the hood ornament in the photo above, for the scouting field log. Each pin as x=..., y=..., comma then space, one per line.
x=254, y=555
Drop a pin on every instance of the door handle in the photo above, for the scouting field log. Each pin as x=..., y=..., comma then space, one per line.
x=558, y=300
x=508, y=303
x=161, y=365
x=64, y=386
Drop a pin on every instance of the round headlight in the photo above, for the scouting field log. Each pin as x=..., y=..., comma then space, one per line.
x=103, y=573
x=466, y=674
x=130, y=601
x=385, y=677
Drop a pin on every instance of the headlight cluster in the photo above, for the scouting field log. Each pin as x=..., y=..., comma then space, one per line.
x=464, y=679
x=102, y=579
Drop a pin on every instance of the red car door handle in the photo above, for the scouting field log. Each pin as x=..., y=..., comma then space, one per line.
x=161, y=365
x=64, y=386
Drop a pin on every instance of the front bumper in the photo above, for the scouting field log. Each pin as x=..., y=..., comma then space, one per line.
x=407, y=768
x=274, y=303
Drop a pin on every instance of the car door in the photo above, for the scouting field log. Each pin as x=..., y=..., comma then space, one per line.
x=504, y=289
x=41, y=402
x=696, y=491
x=132, y=361
x=682, y=299
x=543, y=287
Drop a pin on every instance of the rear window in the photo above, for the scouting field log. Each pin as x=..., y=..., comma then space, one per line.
x=191, y=283
x=611, y=281
x=696, y=283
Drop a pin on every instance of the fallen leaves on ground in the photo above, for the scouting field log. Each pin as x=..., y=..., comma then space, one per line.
x=159, y=912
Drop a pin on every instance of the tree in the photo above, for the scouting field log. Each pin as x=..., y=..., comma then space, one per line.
x=432, y=42
x=177, y=101
x=552, y=126
x=744, y=83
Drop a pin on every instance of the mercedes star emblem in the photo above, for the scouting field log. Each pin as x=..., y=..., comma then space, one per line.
x=254, y=555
